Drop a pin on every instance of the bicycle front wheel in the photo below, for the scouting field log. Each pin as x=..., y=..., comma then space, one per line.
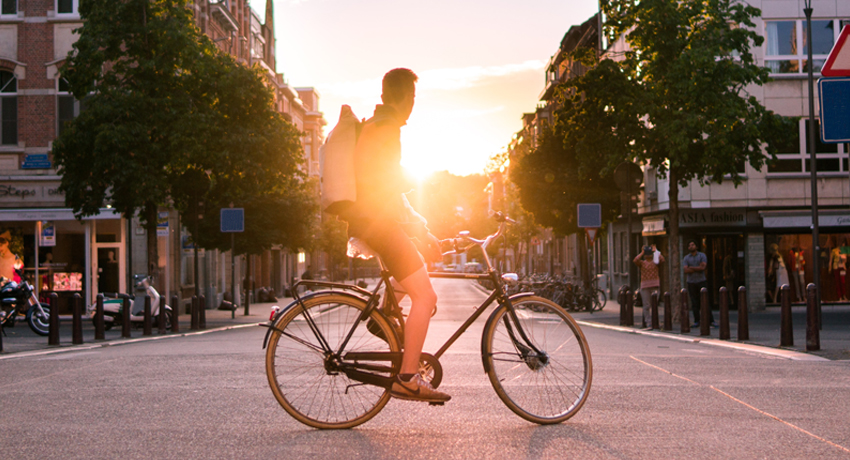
x=303, y=375
x=599, y=299
x=547, y=387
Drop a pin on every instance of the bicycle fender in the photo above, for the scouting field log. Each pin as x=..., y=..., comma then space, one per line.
x=272, y=325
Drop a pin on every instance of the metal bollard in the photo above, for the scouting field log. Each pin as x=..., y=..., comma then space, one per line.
x=653, y=309
x=202, y=313
x=77, y=319
x=812, y=329
x=621, y=299
x=194, y=314
x=175, y=313
x=125, y=317
x=684, y=316
x=53, y=321
x=786, y=334
x=147, y=322
x=630, y=309
x=704, y=313
x=163, y=317
x=724, y=314
x=668, y=313
x=99, y=327
x=743, y=315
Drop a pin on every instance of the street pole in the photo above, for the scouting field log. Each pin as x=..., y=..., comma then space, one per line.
x=813, y=163
x=233, y=274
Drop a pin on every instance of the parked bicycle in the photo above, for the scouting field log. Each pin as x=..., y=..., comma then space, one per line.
x=332, y=356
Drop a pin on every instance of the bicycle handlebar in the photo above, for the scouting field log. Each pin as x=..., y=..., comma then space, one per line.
x=463, y=242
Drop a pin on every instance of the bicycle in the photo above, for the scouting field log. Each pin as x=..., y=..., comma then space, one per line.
x=331, y=356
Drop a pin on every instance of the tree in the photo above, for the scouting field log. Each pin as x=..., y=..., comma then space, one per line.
x=162, y=102
x=333, y=241
x=677, y=101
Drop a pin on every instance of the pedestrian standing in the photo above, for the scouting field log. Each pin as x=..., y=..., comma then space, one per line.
x=695, y=263
x=650, y=279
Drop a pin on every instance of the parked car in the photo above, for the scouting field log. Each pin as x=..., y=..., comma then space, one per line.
x=473, y=267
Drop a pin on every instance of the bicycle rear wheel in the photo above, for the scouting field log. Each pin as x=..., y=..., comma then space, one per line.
x=302, y=375
x=546, y=388
x=599, y=299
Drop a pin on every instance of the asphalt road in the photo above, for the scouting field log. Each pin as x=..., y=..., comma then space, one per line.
x=206, y=395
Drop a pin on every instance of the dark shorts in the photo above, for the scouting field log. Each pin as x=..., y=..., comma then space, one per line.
x=392, y=244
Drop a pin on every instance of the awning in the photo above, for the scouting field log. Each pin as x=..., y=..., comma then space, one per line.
x=34, y=214
x=654, y=226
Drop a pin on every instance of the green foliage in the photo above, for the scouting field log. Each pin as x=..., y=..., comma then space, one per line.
x=161, y=100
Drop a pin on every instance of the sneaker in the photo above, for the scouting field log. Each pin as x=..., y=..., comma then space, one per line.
x=417, y=390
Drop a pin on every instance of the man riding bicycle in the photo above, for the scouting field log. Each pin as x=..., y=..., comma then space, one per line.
x=381, y=218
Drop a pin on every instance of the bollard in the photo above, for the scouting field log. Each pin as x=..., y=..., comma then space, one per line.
x=630, y=308
x=724, y=314
x=163, y=317
x=125, y=315
x=653, y=305
x=685, y=315
x=812, y=329
x=194, y=313
x=175, y=313
x=668, y=313
x=147, y=323
x=202, y=313
x=704, y=313
x=77, y=319
x=53, y=321
x=786, y=334
x=621, y=299
x=99, y=327
x=743, y=315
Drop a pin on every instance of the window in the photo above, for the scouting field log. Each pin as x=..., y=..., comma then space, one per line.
x=8, y=108
x=67, y=6
x=67, y=108
x=9, y=7
x=793, y=157
x=786, y=46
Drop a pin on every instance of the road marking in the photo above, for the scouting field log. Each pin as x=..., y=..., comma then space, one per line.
x=746, y=405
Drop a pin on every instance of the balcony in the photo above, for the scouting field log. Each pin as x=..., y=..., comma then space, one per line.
x=221, y=14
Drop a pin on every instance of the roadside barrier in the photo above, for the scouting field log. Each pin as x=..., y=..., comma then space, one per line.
x=175, y=313
x=125, y=310
x=724, y=314
x=653, y=306
x=812, y=324
x=77, y=319
x=194, y=312
x=53, y=321
x=621, y=299
x=147, y=322
x=684, y=315
x=202, y=313
x=99, y=326
x=668, y=313
x=704, y=313
x=630, y=309
x=786, y=330
x=162, y=316
x=743, y=315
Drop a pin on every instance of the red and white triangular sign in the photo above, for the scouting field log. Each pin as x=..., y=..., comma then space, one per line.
x=591, y=233
x=838, y=62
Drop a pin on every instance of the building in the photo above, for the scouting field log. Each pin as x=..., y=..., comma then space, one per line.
x=99, y=253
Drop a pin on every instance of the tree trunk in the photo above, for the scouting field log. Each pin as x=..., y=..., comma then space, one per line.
x=675, y=259
x=150, y=218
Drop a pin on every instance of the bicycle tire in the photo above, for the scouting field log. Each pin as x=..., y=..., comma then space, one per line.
x=599, y=299
x=295, y=363
x=544, y=391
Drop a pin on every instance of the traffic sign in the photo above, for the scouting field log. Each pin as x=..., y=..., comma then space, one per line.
x=591, y=233
x=232, y=220
x=834, y=109
x=589, y=215
x=838, y=62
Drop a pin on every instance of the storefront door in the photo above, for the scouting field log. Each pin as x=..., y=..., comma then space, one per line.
x=726, y=267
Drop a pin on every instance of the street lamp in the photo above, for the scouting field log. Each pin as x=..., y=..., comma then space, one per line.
x=812, y=162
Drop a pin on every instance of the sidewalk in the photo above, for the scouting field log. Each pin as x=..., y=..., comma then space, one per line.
x=764, y=327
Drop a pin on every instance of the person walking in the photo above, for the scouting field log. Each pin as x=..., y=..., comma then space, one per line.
x=650, y=279
x=694, y=266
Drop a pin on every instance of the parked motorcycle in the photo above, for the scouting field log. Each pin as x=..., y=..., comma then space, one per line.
x=113, y=307
x=18, y=298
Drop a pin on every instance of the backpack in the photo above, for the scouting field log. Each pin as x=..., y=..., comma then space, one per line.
x=338, y=185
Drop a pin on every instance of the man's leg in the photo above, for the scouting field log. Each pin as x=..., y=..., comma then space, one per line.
x=424, y=299
x=693, y=296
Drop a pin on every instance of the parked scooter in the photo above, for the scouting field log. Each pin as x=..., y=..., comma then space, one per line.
x=17, y=298
x=113, y=307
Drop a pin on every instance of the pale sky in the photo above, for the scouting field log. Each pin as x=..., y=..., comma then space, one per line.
x=480, y=65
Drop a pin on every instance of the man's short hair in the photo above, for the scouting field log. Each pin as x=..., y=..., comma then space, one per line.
x=397, y=83
x=695, y=243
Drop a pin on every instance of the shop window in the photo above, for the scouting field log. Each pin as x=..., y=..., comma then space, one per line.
x=786, y=46
x=789, y=261
x=9, y=7
x=8, y=108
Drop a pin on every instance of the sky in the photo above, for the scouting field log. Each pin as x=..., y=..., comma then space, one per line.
x=481, y=65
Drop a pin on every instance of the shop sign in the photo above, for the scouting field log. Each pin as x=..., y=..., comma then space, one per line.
x=162, y=224
x=47, y=237
x=24, y=193
x=712, y=218
x=653, y=227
